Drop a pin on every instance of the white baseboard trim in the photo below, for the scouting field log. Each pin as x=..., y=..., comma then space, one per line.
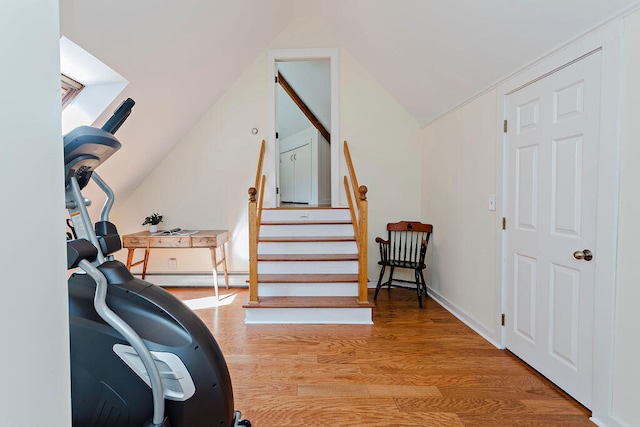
x=464, y=318
x=609, y=421
x=196, y=280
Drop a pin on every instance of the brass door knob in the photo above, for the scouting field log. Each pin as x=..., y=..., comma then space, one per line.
x=585, y=255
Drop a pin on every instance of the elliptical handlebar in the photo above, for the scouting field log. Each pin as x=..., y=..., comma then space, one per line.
x=117, y=119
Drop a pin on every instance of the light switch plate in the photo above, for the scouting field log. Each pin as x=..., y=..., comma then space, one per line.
x=492, y=202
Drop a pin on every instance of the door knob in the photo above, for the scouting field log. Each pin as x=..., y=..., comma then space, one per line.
x=585, y=255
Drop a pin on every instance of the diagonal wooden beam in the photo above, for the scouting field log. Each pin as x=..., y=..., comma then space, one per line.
x=303, y=107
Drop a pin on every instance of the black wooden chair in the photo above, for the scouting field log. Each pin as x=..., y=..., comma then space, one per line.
x=405, y=247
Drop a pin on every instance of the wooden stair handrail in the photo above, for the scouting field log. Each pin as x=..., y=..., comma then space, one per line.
x=354, y=219
x=260, y=202
x=260, y=161
x=360, y=224
x=352, y=173
x=256, y=197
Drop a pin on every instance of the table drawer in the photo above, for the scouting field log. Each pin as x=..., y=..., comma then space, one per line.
x=169, y=242
x=203, y=241
x=134, y=242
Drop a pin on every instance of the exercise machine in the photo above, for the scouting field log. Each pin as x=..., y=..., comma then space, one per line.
x=139, y=356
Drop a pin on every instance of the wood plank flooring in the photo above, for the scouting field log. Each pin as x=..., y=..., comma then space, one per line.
x=411, y=368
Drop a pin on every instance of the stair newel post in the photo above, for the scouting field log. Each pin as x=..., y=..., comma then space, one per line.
x=253, y=246
x=363, y=245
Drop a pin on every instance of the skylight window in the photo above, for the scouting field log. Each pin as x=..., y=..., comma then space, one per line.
x=70, y=89
x=101, y=85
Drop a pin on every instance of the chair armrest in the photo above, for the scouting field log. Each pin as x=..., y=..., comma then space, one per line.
x=384, y=249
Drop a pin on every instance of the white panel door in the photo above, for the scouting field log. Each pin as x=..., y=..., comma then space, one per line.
x=302, y=161
x=295, y=175
x=551, y=155
x=287, y=181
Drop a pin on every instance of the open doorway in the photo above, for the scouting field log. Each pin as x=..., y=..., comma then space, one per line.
x=303, y=119
x=314, y=74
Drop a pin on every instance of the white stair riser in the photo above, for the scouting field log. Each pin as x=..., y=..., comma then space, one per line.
x=306, y=215
x=352, y=316
x=306, y=230
x=349, y=247
x=308, y=289
x=307, y=267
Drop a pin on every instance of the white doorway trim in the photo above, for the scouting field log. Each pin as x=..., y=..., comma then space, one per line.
x=272, y=149
x=609, y=40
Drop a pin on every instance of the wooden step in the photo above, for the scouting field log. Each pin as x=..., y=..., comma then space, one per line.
x=306, y=222
x=306, y=229
x=307, y=278
x=301, y=289
x=306, y=214
x=301, y=207
x=308, y=302
x=307, y=267
x=308, y=310
x=307, y=257
x=307, y=239
x=306, y=247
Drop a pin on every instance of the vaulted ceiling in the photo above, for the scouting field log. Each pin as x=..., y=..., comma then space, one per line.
x=181, y=56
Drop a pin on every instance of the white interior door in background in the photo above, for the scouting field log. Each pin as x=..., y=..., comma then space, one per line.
x=551, y=211
x=287, y=183
x=295, y=175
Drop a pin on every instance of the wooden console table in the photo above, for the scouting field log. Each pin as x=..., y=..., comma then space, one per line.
x=211, y=239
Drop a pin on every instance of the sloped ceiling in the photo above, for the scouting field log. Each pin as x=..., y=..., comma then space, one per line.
x=433, y=55
x=180, y=57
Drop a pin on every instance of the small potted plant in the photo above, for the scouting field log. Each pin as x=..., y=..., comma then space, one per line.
x=153, y=220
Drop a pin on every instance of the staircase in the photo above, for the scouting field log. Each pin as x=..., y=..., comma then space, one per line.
x=308, y=265
x=307, y=269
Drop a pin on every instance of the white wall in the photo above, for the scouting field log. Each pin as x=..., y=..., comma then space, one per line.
x=459, y=174
x=33, y=308
x=626, y=335
x=203, y=182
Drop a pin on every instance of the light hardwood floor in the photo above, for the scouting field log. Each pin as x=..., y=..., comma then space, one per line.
x=411, y=368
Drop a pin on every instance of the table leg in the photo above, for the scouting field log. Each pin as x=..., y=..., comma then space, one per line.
x=215, y=272
x=224, y=266
x=130, y=258
x=146, y=261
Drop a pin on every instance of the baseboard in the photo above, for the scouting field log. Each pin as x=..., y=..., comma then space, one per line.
x=464, y=318
x=608, y=421
x=236, y=280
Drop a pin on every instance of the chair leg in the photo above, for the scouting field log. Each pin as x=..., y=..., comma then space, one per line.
x=388, y=283
x=424, y=285
x=418, y=287
x=375, y=296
